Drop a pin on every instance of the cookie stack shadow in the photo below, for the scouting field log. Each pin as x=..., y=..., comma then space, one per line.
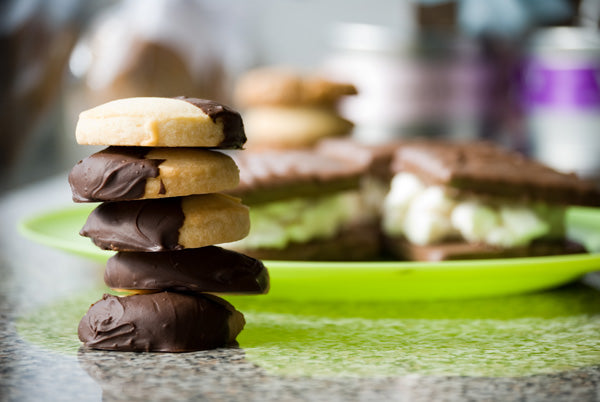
x=159, y=183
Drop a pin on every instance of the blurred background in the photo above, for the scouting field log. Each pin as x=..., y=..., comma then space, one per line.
x=523, y=73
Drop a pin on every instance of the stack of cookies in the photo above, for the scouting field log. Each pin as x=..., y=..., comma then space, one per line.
x=159, y=182
x=284, y=109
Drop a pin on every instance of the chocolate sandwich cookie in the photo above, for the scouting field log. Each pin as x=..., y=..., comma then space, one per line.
x=127, y=173
x=167, y=223
x=477, y=200
x=460, y=250
x=160, y=322
x=272, y=175
x=162, y=122
x=485, y=169
x=305, y=205
x=377, y=157
x=208, y=269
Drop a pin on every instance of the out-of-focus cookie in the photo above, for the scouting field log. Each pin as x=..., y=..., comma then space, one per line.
x=161, y=122
x=286, y=109
x=167, y=223
x=478, y=200
x=305, y=205
x=292, y=127
x=130, y=173
x=160, y=322
x=207, y=269
x=281, y=86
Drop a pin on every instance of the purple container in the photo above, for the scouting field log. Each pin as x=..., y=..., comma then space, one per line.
x=560, y=93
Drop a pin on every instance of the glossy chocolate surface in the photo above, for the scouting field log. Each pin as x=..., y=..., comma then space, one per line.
x=206, y=269
x=141, y=225
x=113, y=174
x=159, y=322
x=234, y=136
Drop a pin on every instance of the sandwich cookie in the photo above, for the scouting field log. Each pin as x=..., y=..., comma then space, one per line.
x=160, y=322
x=306, y=206
x=161, y=122
x=477, y=200
x=120, y=173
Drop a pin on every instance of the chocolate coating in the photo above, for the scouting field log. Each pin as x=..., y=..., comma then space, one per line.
x=206, y=269
x=141, y=225
x=113, y=174
x=273, y=175
x=484, y=169
x=377, y=157
x=234, y=136
x=160, y=322
x=401, y=248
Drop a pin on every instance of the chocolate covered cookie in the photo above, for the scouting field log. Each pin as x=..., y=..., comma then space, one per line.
x=305, y=205
x=160, y=322
x=130, y=173
x=208, y=269
x=167, y=223
x=477, y=200
x=161, y=122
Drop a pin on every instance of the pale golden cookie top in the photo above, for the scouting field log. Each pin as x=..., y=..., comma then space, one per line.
x=166, y=122
x=280, y=86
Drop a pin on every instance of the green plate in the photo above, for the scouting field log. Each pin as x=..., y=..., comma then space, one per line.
x=374, y=280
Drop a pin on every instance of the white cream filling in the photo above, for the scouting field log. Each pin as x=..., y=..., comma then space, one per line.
x=427, y=215
x=299, y=220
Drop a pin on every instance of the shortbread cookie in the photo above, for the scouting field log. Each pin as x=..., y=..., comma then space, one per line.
x=304, y=204
x=286, y=109
x=477, y=200
x=161, y=122
x=207, y=269
x=160, y=322
x=292, y=127
x=167, y=223
x=130, y=173
x=281, y=86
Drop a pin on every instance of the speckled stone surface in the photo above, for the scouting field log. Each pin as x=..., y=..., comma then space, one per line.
x=34, y=275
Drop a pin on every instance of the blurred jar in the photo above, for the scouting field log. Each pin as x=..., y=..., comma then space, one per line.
x=409, y=85
x=561, y=97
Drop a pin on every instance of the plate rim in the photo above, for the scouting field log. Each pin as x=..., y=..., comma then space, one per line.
x=26, y=227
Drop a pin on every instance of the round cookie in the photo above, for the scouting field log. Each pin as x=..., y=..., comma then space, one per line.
x=292, y=127
x=280, y=86
x=160, y=322
x=167, y=223
x=166, y=122
x=207, y=269
x=130, y=173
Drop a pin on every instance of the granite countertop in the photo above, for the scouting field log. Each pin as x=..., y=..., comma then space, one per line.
x=539, y=347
